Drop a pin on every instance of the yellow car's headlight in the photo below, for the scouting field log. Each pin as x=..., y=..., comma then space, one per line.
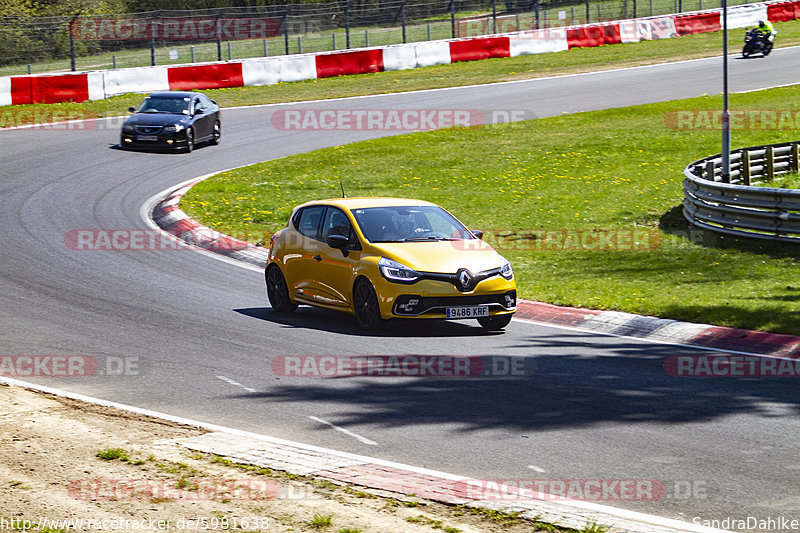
x=397, y=272
x=505, y=270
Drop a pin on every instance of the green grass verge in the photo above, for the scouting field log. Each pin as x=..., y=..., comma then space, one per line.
x=614, y=171
x=452, y=75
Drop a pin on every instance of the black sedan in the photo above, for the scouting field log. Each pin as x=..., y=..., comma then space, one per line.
x=172, y=119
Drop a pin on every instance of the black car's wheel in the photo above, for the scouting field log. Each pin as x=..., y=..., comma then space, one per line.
x=494, y=323
x=278, y=292
x=217, y=136
x=189, y=140
x=365, y=305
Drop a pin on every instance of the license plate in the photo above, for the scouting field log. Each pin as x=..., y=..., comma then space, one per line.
x=147, y=137
x=467, y=312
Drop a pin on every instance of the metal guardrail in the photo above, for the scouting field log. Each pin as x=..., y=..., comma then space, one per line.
x=737, y=208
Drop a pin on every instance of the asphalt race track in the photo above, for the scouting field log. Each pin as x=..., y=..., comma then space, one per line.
x=198, y=336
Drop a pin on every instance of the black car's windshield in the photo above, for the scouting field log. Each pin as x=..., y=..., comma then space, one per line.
x=171, y=105
x=409, y=224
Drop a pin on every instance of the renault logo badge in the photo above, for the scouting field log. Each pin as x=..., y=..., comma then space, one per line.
x=465, y=279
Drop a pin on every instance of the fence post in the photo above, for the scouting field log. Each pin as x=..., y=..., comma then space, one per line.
x=219, y=34
x=153, y=38
x=769, y=164
x=192, y=50
x=588, y=13
x=347, y=25
x=266, y=50
x=744, y=167
x=286, y=28
x=494, y=16
x=366, y=37
x=403, y=20
x=537, y=9
x=299, y=44
x=710, y=171
x=634, y=8
x=72, y=41
x=794, y=161
x=453, y=18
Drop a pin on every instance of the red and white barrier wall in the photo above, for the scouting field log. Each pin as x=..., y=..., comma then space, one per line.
x=96, y=85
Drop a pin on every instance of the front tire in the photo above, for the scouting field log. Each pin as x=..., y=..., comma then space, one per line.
x=277, y=291
x=365, y=305
x=494, y=323
x=217, y=136
x=189, y=140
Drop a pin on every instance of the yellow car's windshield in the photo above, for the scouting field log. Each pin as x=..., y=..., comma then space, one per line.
x=409, y=224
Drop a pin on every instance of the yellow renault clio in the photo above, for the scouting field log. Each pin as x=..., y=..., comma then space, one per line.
x=382, y=258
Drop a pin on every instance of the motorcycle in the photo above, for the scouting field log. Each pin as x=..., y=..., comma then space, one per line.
x=755, y=42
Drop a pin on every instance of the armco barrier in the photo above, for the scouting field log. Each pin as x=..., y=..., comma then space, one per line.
x=748, y=15
x=96, y=85
x=297, y=68
x=346, y=63
x=783, y=11
x=662, y=28
x=208, y=76
x=632, y=31
x=399, y=57
x=133, y=80
x=5, y=91
x=59, y=88
x=478, y=49
x=738, y=209
x=432, y=53
x=538, y=42
x=698, y=23
x=594, y=35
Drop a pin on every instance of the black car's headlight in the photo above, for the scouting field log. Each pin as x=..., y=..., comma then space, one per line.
x=174, y=128
x=397, y=272
x=128, y=128
x=505, y=269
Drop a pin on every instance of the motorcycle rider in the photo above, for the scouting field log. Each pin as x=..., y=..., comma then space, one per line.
x=766, y=27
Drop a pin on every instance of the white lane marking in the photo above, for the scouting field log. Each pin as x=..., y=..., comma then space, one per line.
x=345, y=431
x=536, y=468
x=235, y=383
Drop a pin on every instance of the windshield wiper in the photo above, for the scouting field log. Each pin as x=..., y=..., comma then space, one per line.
x=431, y=238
